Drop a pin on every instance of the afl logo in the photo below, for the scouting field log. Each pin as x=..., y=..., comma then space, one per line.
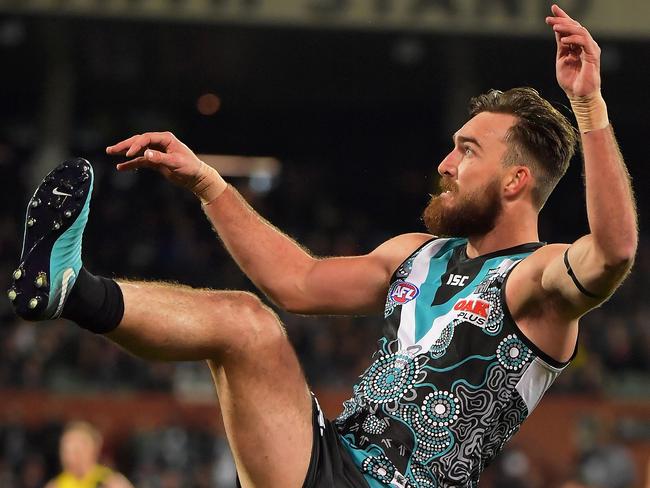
x=403, y=292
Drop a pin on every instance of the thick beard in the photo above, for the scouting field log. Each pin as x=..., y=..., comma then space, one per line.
x=469, y=215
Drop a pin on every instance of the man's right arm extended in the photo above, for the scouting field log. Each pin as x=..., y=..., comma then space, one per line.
x=296, y=280
x=288, y=274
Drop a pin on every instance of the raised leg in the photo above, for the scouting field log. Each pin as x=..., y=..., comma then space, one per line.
x=264, y=398
x=265, y=401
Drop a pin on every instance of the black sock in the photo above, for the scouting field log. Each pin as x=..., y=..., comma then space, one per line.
x=95, y=303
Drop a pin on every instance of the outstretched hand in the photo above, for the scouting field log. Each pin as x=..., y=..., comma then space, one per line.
x=163, y=152
x=160, y=151
x=577, y=63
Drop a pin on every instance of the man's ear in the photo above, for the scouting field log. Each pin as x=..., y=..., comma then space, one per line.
x=516, y=180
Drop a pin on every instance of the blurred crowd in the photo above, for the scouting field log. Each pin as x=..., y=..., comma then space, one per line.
x=178, y=456
x=173, y=457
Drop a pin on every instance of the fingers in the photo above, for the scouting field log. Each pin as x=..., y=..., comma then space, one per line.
x=121, y=146
x=560, y=18
x=135, y=144
x=158, y=139
x=576, y=34
x=569, y=41
x=569, y=34
x=138, y=144
x=558, y=12
x=133, y=164
x=159, y=157
x=553, y=21
x=151, y=159
x=557, y=41
x=570, y=28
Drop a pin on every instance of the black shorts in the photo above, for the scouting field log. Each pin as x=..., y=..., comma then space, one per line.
x=330, y=465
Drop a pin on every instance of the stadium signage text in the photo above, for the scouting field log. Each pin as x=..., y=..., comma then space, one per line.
x=623, y=17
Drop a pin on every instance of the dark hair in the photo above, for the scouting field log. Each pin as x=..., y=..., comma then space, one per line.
x=542, y=139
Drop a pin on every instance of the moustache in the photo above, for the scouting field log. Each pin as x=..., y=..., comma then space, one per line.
x=447, y=184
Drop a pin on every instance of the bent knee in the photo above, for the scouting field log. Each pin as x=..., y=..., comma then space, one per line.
x=258, y=326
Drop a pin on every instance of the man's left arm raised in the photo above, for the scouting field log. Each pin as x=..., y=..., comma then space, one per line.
x=589, y=271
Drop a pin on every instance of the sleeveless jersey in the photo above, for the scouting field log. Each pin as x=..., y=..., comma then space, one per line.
x=94, y=479
x=453, y=378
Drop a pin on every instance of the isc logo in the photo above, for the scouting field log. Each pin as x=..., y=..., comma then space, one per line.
x=457, y=280
x=403, y=292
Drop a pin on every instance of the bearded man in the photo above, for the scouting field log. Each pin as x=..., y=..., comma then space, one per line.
x=483, y=316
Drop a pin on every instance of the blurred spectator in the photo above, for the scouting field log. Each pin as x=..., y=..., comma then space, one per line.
x=27, y=456
x=608, y=466
x=515, y=470
x=79, y=450
x=180, y=457
x=603, y=462
x=574, y=484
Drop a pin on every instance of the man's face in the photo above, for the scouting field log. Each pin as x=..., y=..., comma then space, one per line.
x=78, y=452
x=470, y=201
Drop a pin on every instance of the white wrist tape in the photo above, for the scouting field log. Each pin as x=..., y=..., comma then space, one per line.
x=210, y=185
x=590, y=112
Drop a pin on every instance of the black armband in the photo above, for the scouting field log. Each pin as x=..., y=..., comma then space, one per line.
x=579, y=286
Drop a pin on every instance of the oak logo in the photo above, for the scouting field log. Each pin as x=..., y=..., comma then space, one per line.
x=403, y=292
x=474, y=311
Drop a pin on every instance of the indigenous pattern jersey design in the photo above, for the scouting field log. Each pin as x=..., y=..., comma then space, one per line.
x=453, y=377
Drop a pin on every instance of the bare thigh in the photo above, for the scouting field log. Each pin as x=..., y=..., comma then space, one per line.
x=267, y=411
